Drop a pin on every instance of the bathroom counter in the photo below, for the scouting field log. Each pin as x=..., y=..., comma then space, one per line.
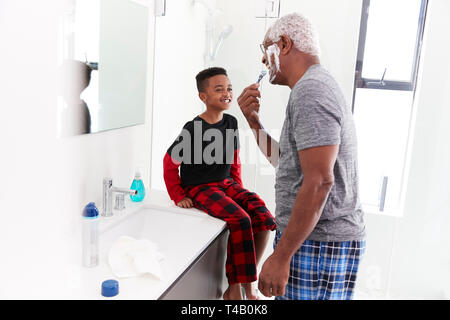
x=182, y=236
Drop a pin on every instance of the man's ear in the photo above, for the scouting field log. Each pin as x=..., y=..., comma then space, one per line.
x=286, y=44
x=202, y=96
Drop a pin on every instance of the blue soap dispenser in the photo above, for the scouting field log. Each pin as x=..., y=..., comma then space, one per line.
x=138, y=185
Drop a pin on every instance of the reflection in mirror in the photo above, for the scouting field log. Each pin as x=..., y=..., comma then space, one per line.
x=75, y=117
x=102, y=66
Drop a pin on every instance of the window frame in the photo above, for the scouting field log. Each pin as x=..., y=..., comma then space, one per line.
x=381, y=84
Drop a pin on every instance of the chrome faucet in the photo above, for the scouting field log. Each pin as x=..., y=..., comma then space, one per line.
x=108, y=190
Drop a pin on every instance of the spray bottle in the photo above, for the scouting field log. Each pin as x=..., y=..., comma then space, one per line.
x=90, y=241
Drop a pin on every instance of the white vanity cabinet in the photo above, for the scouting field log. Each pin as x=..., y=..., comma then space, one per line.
x=205, y=279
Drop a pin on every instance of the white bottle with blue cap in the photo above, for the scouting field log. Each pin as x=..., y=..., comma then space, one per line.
x=90, y=255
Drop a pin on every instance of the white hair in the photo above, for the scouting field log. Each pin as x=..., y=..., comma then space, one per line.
x=298, y=28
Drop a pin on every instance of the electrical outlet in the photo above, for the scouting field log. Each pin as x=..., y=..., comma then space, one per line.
x=267, y=8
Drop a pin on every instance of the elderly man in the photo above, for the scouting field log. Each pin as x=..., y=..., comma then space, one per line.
x=320, y=235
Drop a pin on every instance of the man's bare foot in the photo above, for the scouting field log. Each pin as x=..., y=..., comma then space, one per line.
x=233, y=292
x=250, y=291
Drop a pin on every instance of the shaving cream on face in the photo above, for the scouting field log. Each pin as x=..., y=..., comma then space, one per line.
x=274, y=51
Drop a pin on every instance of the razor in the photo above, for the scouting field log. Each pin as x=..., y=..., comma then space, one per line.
x=261, y=76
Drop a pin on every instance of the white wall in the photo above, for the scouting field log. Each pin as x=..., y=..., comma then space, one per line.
x=45, y=182
x=180, y=45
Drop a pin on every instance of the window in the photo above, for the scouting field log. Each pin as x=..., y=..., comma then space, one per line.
x=385, y=81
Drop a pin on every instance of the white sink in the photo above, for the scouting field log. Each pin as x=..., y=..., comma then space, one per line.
x=181, y=236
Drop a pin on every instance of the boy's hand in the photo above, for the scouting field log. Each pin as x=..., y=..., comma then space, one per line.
x=185, y=203
x=249, y=103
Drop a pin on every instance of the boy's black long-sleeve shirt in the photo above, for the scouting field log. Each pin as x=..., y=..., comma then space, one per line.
x=205, y=153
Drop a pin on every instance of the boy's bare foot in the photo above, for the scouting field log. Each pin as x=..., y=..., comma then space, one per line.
x=233, y=292
x=250, y=291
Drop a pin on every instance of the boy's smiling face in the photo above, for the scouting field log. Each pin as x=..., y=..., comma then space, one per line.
x=218, y=93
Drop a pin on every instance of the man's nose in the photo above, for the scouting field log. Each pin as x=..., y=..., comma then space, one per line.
x=265, y=61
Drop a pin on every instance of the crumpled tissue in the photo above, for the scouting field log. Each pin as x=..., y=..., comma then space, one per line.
x=129, y=257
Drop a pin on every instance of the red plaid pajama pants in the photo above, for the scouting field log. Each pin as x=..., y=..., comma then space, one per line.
x=245, y=214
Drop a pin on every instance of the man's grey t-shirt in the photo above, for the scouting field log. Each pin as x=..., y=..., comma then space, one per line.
x=318, y=115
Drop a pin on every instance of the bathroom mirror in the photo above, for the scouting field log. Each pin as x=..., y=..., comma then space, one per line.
x=102, y=66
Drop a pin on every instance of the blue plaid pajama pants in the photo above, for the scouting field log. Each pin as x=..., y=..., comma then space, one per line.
x=323, y=270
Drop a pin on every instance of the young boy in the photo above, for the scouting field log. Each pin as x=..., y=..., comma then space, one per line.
x=208, y=152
